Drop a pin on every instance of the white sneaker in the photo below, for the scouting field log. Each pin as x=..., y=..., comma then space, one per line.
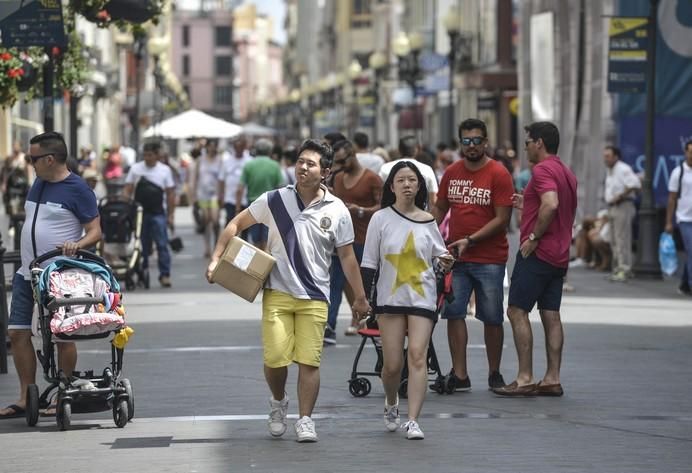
x=391, y=417
x=413, y=431
x=277, y=416
x=305, y=430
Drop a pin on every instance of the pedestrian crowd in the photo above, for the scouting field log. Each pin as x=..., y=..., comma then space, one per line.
x=380, y=226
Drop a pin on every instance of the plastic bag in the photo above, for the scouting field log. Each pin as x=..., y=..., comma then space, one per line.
x=667, y=256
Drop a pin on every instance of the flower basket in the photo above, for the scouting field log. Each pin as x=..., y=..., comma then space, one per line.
x=134, y=11
x=30, y=76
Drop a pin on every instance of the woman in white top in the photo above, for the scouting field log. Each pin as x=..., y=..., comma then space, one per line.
x=404, y=244
x=204, y=192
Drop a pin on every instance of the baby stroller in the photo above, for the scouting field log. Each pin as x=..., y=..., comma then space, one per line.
x=121, y=226
x=360, y=386
x=79, y=299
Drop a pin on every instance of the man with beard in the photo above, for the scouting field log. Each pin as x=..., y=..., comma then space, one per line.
x=477, y=190
x=306, y=224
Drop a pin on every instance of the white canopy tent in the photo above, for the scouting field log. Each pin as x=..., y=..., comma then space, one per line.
x=255, y=129
x=193, y=124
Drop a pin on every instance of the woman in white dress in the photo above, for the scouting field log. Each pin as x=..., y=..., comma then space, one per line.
x=403, y=246
x=205, y=188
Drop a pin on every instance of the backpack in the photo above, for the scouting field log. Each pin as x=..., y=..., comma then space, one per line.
x=149, y=196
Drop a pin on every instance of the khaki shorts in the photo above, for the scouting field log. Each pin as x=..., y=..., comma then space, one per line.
x=292, y=329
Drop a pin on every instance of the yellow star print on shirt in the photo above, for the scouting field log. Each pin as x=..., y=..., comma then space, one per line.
x=409, y=266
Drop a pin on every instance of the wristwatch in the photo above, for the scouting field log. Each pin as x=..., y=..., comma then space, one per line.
x=470, y=240
x=533, y=237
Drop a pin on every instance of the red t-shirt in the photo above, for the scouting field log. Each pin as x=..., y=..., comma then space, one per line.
x=551, y=175
x=472, y=197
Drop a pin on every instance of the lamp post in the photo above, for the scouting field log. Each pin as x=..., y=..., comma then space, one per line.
x=378, y=64
x=354, y=72
x=646, y=264
x=294, y=98
x=139, y=49
x=157, y=47
x=407, y=49
x=452, y=23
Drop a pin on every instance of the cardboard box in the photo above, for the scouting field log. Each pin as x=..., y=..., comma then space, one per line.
x=243, y=269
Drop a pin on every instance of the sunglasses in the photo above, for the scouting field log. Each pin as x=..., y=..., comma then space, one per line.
x=34, y=159
x=476, y=140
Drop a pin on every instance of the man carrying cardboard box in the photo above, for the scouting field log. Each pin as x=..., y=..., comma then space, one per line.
x=306, y=223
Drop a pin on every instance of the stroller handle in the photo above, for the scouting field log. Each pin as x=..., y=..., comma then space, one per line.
x=83, y=254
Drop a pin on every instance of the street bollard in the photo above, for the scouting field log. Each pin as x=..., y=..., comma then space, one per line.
x=3, y=312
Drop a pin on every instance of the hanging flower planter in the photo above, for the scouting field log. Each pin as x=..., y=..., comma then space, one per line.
x=104, y=12
x=30, y=76
x=134, y=11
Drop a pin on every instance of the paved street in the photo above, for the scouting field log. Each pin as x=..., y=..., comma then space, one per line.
x=201, y=401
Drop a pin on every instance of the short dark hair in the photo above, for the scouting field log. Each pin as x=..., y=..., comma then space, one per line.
x=332, y=137
x=473, y=124
x=321, y=148
x=615, y=150
x=263, y=147
x=53, y=143
x=407, y=146
x=687, y=145
x=343, y=144
x=153, y=146
x=361, y=140
x=388, y=197
x=547, y=132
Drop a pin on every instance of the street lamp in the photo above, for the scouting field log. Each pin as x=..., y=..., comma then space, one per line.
x=646, y=264
x=139, y=47
x=378, y=64
x=354, y=72
x=452, y=23
x=407, y=49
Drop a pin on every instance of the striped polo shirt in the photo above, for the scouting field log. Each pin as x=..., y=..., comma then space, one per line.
x=302, y=239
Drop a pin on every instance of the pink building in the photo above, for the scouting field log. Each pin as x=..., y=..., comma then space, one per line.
x=219, y=79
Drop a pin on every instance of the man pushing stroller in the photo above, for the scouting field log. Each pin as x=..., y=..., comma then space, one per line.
x=61, y=211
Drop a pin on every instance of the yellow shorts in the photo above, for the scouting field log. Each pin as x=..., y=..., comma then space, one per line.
x=208, y=204
x=292, y=329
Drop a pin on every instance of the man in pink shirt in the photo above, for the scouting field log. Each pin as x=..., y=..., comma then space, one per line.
x=549, y=205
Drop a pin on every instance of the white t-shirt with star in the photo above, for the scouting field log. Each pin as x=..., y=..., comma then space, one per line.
x=403, y=251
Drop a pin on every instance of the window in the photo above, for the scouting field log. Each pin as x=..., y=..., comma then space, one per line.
x=186, y=35
x=223, y=36
x=186, y=65
x=361, y=16
x=223, y=65
x=223, y=94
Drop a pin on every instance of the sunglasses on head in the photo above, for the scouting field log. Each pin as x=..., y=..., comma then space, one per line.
x=476, y=140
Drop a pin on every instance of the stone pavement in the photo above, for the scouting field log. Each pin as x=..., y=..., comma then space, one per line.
x=201, y=401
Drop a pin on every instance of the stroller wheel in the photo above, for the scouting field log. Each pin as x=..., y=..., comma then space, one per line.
x=359, y=387
x=403, y=389
x=64, y=415
x=120, y=413
x=130, y=398
x=32, y=405
x=439, y=386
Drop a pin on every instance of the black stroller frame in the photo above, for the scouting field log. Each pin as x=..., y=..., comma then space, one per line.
x=360, y=386
x=111, y=209
x=110, y=391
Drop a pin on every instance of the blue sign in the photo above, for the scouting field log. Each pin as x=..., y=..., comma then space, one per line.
x=431, y=62
x=671, y=136
x=673, y=59
x=627, y=54
x=36, y=24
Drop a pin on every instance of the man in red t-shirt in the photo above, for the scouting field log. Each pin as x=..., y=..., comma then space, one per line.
x=549, y=206
x=477, y=191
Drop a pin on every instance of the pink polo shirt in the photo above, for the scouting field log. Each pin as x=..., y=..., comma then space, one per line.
x=551, y=175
